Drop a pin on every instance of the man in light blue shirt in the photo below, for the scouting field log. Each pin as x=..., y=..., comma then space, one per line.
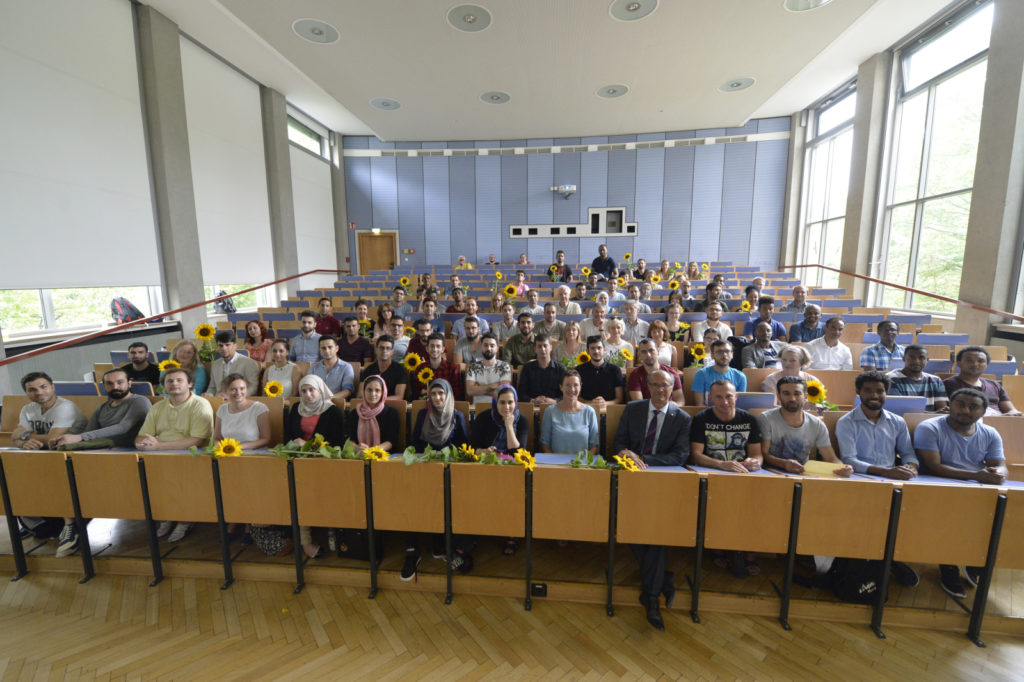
x=337, y=374
x=721, y=352
x=472, y=308
x=306, y=346
x=869, y=436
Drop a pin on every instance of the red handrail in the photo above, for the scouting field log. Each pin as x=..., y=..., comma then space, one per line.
x=103, y=332
x=955, y=301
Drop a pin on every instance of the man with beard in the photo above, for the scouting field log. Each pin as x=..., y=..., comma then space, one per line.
x=601, y=382
x=869, y=439
x=551, y=325
x=469, y=348
x=519, y=348
x=790, y=436
x=472, y=309
x=117, y=420
x=442, y=369
x=488, y=375
x=913, y=380
x=560, y=271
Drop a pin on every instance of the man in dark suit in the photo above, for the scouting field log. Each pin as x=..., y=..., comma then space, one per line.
x=657, y=432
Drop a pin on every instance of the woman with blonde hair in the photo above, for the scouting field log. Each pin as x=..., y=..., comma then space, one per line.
x=187, y=355
x=571, y=344
x=793, y=359
x=658, y=331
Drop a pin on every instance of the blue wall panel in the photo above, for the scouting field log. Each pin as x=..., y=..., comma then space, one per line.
x=410, y=211
x=737, y=198
x=384, y=191
x=540, y=171
x=773, y=125
x=770, y=172
x=677, y=202
x=360, y=204
x=705, y=223
x=513, y=204
x=488, y=207
x=436, y=209
x=462, y=189
x=650, y=178
x=567, y=172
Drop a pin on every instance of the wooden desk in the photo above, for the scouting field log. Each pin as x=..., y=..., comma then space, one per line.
x=488, y=500
x=571, y=504
x=846, y=518
x=181, y=487
x=254, y=489
x=748, y=512
x=658, y=507
x=108, y=485
x=408, y=498
x=945, y=524
x=330, y=492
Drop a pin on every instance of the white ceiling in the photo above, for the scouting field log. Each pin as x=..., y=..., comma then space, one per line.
x=551, y=56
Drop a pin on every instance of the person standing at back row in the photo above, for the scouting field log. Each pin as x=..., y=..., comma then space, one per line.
x=603, y=266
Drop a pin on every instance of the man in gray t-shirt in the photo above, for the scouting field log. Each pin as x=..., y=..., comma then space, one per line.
x=789, y=435
x=118, y=419
x=47, y=416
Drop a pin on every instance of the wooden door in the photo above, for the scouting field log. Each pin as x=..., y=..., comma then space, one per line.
x=376, y=251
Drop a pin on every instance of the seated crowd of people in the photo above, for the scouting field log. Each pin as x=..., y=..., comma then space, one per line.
x=572, y=370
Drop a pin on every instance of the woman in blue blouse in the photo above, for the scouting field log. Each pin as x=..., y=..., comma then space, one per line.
x=569, y=426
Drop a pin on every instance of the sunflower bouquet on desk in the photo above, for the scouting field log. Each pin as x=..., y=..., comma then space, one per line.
x=204, y=339
x=225, y=447
x=316, y=447
x=619, y=358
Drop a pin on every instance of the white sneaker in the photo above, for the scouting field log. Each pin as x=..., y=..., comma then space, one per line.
x=67, y=543
x=164, y=528
x=179, y=532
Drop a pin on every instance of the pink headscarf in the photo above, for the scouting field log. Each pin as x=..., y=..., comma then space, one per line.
x=368, y=430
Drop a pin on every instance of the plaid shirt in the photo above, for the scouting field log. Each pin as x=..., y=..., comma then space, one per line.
x=879, y=357
x=447, y=371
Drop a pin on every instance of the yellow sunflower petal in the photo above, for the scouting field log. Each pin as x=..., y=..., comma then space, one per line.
x=168, y=364
x=425, y=375
x=228, y=447
x=656, y=278
x=273, y=389
x=585, y=270
x=411, y=361
x=583, y=358
x=498, y=276
x=205, y=331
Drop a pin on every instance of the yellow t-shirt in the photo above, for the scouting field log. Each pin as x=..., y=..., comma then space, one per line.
x=192, y=419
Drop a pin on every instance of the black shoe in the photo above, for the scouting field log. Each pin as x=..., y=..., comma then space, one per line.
x=972, y=575
x=653, y=614
x=412, y=561
x=462, y=562
x=904, y=574
x=668, y=588
x=739, y=564
x=951, y=583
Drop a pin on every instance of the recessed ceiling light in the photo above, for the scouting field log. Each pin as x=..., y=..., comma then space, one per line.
x=470, y=18
x=385, y=103
x=804, y=5
x=736, y=84
x=495, y=97
x=631, y=10
x=612, y=91
x=316, y=31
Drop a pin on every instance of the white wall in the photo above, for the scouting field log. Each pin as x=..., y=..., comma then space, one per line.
x=314, y=217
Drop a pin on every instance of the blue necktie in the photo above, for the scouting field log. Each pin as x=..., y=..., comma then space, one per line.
x=652, y=430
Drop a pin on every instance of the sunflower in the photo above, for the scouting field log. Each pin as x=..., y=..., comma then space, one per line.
x=815, y=392
x=410, y=332
x=677, y=265
x=621, y=281
x=376, y=454
x=583, y=358
x=168, y=364
x=585, y=270
x=317, y=442
x=745, y=306
x=468, y=452
x=683, y=326
x=673, y=285
x=425, y=375
x=705, y=266
x=698, y=351
x=626, y=463
x=273, y=389
x=523, y=457
x=205, y=332
x=628, y=256
x=227, y=447
x=412, y=361
x=498, y=276
x=626, y=354
x=656, y=278
x=510, y=290
x=404, y=281
x=553, y=268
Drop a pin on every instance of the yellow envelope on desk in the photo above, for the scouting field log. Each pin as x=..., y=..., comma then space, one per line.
x=815, y=467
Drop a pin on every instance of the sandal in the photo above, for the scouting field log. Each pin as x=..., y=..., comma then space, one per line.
x=511, y=547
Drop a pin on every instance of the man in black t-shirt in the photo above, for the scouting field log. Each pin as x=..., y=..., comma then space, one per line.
x=723, y=437
x=140, y=368
x=601, y=381
x=393, y=374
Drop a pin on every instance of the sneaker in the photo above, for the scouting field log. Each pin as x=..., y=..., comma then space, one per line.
x=412, y=561
x=179, y=532
x=461, y=562
x=332, y=539
x=904, y=574
x=951, y=583
x=437, y=549
x=972, y=575
x=164, y=528
x=67, y=543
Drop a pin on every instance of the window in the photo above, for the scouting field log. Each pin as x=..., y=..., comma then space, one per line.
x=305, y=137
x=827, y=179
x=24, y=312
x=248, y=301
x=931, y=176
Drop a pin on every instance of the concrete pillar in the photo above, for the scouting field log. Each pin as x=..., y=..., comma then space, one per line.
x=994, y=228
x=279, y=189
x=163, y=96
x=5, y=372
x=340, y=202
x=869, y=126
x=791, y=210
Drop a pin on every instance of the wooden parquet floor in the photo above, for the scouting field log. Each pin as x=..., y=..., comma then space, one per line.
x=116, y=627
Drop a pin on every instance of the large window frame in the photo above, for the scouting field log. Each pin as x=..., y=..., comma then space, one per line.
x=922, y=200
x=818, y=235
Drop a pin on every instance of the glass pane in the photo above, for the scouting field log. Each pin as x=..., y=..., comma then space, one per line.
x=303, y=138
x=941, y=253
x=832, y=251
x=242, y=301
x=839, y=182
x=837, y=113
x=816, y=186
x=79, y=307
x=812, y=252
x=963, y=41
x=20, y=311
x=897, y=258
x=908, y=154
x=955, y=127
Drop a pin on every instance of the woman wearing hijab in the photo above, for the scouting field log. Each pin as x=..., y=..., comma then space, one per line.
x=501, y=429
x=313, y=414
x=438, y=426
x=373, y=423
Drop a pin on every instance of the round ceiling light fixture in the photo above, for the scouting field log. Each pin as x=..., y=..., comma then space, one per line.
x=804, y=5
x=316, y=31
x=736, y=84
x=495, y=97
x=385, y=103
x=631, y=10
x=469, y=18
x=612, y=91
